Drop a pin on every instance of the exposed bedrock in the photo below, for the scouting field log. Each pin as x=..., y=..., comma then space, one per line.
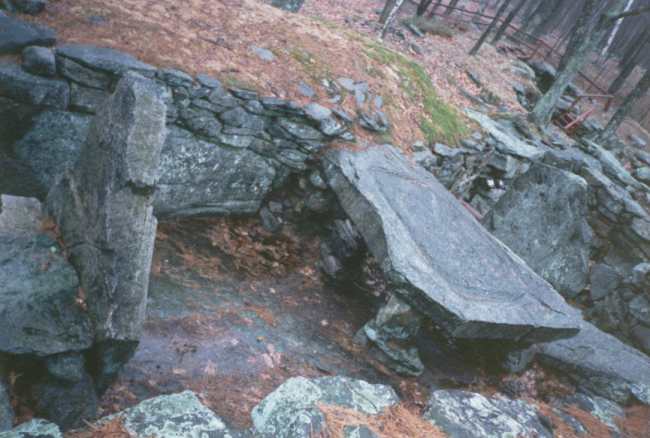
x=438, y=258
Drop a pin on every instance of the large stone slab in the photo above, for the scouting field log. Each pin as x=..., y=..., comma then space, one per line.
x=16, y=34
x=39, y=314
x=438, y=257
x=601, y=364
x=17, y=84
x=543, y=218
x=104, y=59
x=104, y=209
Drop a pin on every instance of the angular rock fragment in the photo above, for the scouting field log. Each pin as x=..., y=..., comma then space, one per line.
x=438, y=258
x=292, y=410
x=39, y=61
x=104, y=59
x=104, y=209
x=543, y=218
x=462, y=414
x=601, y=364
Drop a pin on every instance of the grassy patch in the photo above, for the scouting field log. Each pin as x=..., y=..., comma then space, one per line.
x=439, y=122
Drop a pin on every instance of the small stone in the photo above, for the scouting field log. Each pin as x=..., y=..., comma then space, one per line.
x=378, y=102
x=306, y=90
x=288, y=5
x=639, y=308
x=446, y=152
x=643, y=174
x=175, y=78
x=39, y=61
x=341, y=114
x=415, y=30
x=270, y=222
x=208, y=81
x=603, y=279
x=263, y=54
x=317, y=112
x=347, y=84
x=317, y=181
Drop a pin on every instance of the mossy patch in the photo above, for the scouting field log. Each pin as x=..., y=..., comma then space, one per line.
x=439, y=122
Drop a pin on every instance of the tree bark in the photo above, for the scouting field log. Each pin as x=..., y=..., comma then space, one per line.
x=506, y=23
x=391, y=16
x=422, y=7
x=583, y=43
x=451, y=6
x=624, y=110
x=388, y=6
x=487, y=32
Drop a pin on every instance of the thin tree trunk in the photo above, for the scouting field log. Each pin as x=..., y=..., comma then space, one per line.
x=422, y=7
x=391, y=17
x=541, y=27
x=624, y=110
x=506, y=23
x=630, y=62
x=451, y=6
x=487, y=32
x=388, y=6
x=433, y=11
x=614, y=31
x=481, y=10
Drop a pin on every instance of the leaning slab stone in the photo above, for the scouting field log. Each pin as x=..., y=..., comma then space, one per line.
x=38, y=310
x=16, y=34
x=172, y=416
x=543, y=218
x=462, y=414
x=292, y=410
x=506, y=142
x=17, y=84
x=601, y=364
x=437, y=257
x=34, y=429
x=104, y=209
x=104, y=59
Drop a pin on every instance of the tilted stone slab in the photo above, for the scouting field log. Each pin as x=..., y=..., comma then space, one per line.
x=601, y=364
x=104, y=59
x=438, y=257
x=104, y=208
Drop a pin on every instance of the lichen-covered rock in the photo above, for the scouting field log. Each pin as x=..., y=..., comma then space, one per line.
x=104, y=208
x=437, y=257
x=173, y=416
x=38, y=310
x=17, y=84
x=462, y=414
x=291, y=411
x=543, y=218
x=104, y=59
x=6, y=411
x=34, y=429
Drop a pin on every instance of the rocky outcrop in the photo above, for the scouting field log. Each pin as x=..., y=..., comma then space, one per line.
x=104, y=209
x=172, y=416
x=34, y=428
x=543, y=218
x=292, y=410
x=15, y=34
x=438, y=258
x=462, y=414
x=601, y=364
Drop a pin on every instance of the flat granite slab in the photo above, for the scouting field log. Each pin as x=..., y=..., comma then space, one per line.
x=438, y=257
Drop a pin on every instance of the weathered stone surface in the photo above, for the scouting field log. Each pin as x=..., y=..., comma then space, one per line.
x=16, y=34
x=462, y=414
x=86, y=100
x=291, y=410
x=39, y=61
x=38, y=310
x=601, y=364
x=83, y=75
x=52, y=145
x=173, y=416
x=198, y=177
x=6, y=411
x=545, y=74
x=603, y=279
x=104, y=59
x=543, y=218
x=604, y=410
x=611, y=166
x=34, y=429
x=18, y=179
x=17, y=84
x=32, y=7
x=506, y=142
x=288, y=5
x=104, y=209
x=438, y=257
x=19, y=215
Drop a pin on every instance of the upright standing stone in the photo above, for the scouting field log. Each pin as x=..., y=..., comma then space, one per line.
x=104, y=208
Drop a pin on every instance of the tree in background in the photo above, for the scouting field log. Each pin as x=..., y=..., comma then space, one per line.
x=630, y=59
x=506, y=23
x=489, y=29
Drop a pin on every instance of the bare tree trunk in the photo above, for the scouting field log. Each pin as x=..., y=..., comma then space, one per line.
x=387, y=8
x=487, y=32
x=624, y=110
x=506, y=23
x=629, y=62
x=433, y=11
x=614, y=31
x=542, y=26
x=451, y=6
x=481, y=10
x=422, y=7
x=391, y=16
x=582, y=44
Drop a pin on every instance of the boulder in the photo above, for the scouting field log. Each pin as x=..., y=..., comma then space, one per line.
x=462, y=414
x=39, y=61
x=543, y=218
x=104, y=210
x=36, y=428
x=39, y=314
x=6, y=411
x=199, y=177
x=172, y=416
x=601, y=364
x=15, y=34
x=437, y=257
x=292, y=410
x=545, y=74
x=17, y=84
